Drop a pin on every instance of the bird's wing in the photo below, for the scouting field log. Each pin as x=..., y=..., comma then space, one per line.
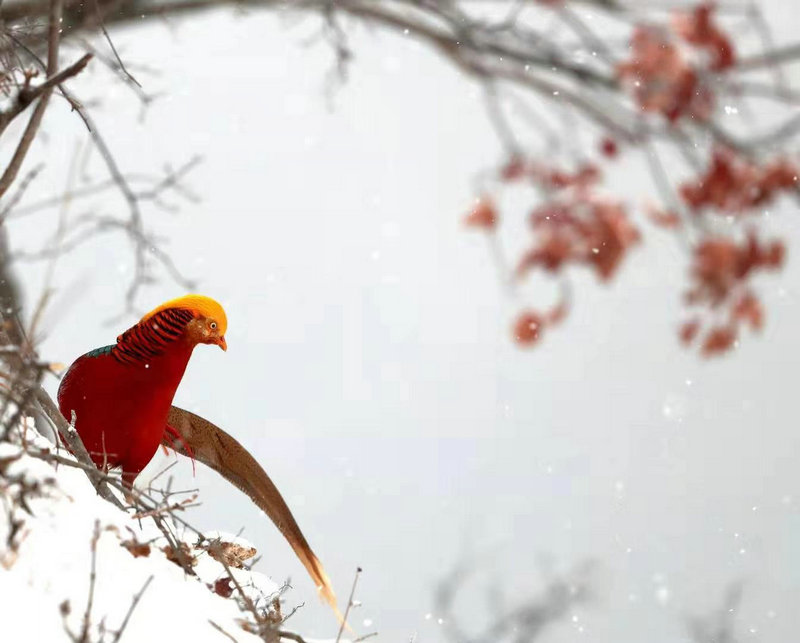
x=213, y=447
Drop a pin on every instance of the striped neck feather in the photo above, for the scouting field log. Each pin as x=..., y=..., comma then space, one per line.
x=151, y=336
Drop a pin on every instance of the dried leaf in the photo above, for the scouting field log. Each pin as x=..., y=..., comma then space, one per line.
x=136, y=548
x=231, y=554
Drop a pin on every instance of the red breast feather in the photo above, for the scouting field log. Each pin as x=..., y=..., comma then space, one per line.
x=121, y=394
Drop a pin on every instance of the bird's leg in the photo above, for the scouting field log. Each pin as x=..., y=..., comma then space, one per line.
x=127, y=481
x=172, y=434
x=168, y=438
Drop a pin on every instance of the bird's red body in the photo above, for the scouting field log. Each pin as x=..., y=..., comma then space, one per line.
x=121, y=408
x=121, y=394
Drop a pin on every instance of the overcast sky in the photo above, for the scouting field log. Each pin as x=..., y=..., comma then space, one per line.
x=370, y=369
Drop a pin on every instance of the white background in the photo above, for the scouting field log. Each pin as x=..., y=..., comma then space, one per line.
x=370, y=367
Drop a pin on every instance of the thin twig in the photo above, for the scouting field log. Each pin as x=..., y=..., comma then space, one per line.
x=122, y=67
x=365, y=637
x=221, y=631
x=343, y=624
x=136, y=598
x=87, y=614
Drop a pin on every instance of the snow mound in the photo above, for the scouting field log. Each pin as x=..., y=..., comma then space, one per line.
x=70, y=560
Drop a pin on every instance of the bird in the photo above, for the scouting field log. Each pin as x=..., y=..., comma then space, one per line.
x=119, y=398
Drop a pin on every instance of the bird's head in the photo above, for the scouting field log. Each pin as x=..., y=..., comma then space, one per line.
x=208, y=324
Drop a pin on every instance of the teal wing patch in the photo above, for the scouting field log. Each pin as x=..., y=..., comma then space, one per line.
x=97, y=352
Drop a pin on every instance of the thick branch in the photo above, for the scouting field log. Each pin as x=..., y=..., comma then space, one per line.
x=27, y=95
x=54, y=36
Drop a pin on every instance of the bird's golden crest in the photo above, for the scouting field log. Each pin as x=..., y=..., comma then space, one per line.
x=204, y=306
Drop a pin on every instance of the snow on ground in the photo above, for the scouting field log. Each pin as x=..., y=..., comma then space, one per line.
x=46, y=560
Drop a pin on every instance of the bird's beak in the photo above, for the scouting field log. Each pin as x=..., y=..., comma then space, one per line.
x=222, y=343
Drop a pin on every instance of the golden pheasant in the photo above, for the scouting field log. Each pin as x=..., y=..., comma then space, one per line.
x=122, y=394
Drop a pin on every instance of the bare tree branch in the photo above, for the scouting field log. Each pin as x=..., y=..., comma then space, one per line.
x=27, y=95
x=54, y=37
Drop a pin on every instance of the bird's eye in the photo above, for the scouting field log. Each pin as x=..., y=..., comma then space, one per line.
x=213, y=325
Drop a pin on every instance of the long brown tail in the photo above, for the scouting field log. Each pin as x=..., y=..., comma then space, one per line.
x=216, y=449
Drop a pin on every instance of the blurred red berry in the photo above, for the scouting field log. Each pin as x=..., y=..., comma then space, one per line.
x=609, y=148
x=735, y=185
x=689, y=331
x=528, y=328
x=663, y=218
x=748, y=309
x=483, y=215
x=718, y=340
x=513, y=170
x=661, y=79
x=223, y=587
x=698, y=28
